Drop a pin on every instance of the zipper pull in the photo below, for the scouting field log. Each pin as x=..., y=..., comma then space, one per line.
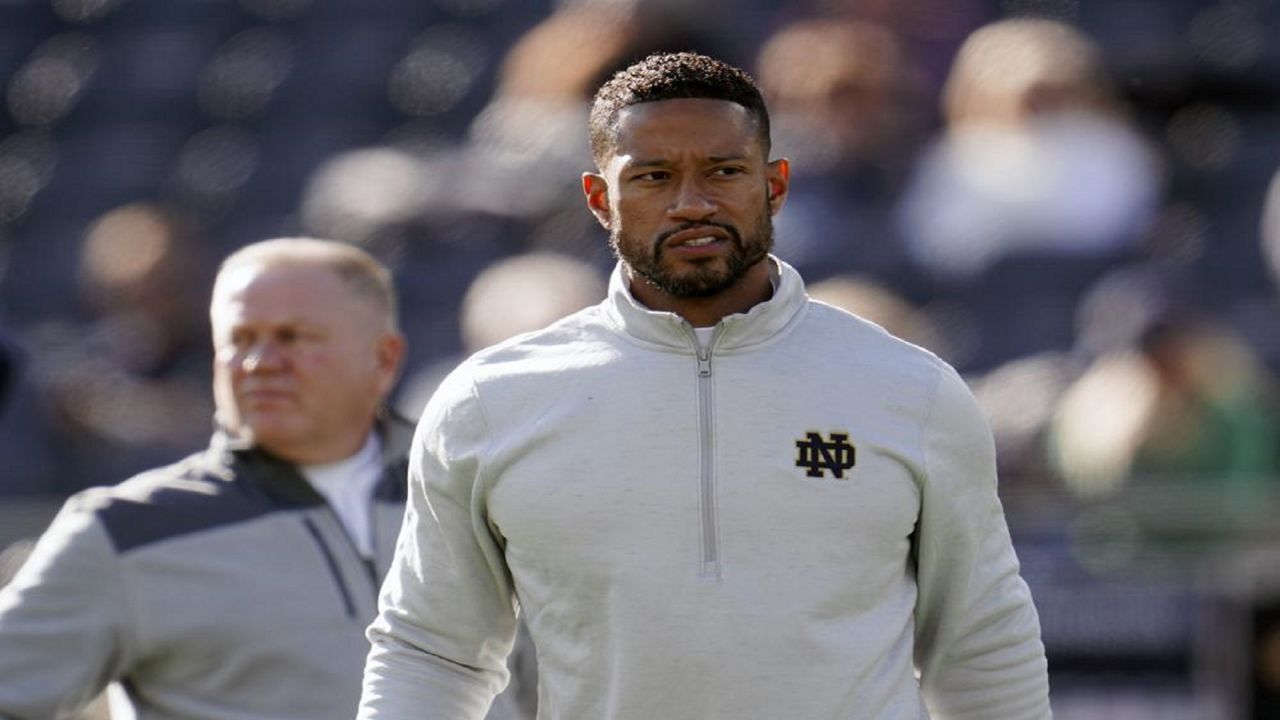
x=704, y=362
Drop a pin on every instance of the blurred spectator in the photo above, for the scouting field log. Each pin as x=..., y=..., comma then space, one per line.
x=513, y=296
x=847, y=113
x=129, y=377
x=526, y=293
x=930, y=30
x=1037, y=156
x=1038, y=185
x=844, y=92
x=1020, y=397
x=872, y=301
x=1173, y=395
x=540, y=103
x=526, y=145
x=523, y=146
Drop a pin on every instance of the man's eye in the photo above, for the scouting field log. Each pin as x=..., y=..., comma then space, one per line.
x=728, y=171
x=653, y=176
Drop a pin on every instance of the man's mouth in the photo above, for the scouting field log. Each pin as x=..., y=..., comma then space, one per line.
x=699, y=242
x=696, y=236
x=260, y=396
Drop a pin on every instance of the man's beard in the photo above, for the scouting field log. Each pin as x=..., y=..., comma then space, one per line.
x=707, y=278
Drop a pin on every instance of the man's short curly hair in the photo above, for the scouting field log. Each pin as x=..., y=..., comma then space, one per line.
x=671, y=76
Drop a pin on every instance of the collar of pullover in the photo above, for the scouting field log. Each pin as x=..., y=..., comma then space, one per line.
x=740, y=330
x=229, y=457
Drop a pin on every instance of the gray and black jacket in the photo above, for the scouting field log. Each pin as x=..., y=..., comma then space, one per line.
x=221, y=587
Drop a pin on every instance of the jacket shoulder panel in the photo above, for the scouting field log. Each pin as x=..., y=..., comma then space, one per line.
x=181, y=499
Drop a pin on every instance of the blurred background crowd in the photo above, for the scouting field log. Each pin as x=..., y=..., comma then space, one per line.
x=1072, y=201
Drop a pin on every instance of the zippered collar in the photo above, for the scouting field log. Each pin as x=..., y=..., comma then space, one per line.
x=740, y=330
x=234, y=459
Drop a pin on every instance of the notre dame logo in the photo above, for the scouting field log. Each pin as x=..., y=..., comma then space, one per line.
x=817, y=456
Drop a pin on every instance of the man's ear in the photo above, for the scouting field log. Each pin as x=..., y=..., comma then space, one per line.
x=389, y=350
x=596, y=189
x=778, y=177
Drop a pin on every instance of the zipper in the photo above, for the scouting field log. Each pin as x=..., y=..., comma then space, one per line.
x=371, y=564
x=710, y=566
x=332, y=562
x=367, y=563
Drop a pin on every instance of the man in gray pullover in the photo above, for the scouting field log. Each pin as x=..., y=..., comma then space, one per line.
x=238, y=582
x=708, y=496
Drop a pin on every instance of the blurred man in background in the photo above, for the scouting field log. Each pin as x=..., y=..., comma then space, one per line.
x=238, y=582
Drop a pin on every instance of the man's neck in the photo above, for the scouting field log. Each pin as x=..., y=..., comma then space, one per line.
x=753, y=288
x=315, y=451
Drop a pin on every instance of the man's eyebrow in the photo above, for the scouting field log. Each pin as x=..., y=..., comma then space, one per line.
x=663, y=162
x=647, y=162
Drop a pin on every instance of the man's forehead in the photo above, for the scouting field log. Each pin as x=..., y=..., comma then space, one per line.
x=682, y=118
x=278, y=289
x=274, y=277
x=251, y=307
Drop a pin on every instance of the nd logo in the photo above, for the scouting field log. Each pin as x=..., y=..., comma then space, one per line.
x=817, y=455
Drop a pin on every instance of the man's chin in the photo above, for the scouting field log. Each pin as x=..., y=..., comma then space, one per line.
x=707, y=280
x=267, y=433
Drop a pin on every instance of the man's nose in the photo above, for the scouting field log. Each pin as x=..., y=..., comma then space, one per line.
x=263, y=356
x=692, y=202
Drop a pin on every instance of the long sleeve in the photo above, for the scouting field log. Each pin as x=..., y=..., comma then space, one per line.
x=977, y=633
x=446, y=619
x=64, y=632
